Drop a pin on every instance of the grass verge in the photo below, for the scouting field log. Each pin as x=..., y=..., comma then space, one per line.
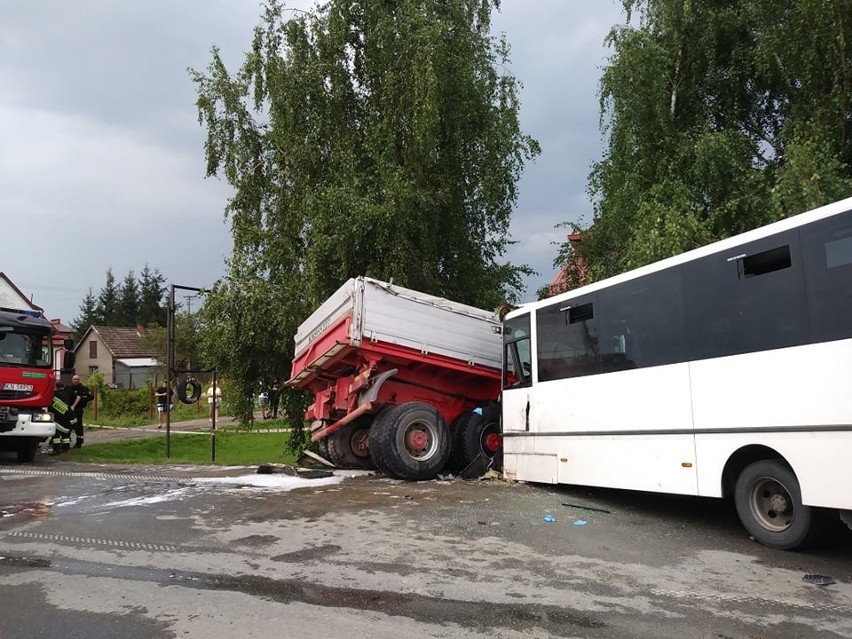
x=232, y=449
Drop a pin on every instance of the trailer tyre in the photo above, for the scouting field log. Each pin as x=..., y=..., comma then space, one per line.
x=480, y=435
x=769, y=504
x=348, y=447
x=410, y=441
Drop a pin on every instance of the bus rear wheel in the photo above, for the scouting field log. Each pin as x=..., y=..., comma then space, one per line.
x=410, y=441
x=769, y=504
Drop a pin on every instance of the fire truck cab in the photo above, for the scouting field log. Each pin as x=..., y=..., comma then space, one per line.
x=27, y=381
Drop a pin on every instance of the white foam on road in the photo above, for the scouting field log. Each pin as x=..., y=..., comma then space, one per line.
x=273, y=481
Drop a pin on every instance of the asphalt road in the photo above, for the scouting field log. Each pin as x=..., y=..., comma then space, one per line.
x=156, y=552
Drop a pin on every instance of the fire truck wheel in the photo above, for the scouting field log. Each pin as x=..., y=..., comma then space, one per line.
x=480, y=435
x=412, y=441
x=27, y=450
x=348, y=446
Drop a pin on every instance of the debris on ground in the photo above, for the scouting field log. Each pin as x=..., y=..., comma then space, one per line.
x=283, y=469
x=818, y=580
x=597, y=510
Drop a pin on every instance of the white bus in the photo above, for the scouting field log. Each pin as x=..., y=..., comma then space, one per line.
x=722, y=372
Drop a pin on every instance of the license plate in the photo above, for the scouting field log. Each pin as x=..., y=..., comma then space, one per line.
x=26, y=388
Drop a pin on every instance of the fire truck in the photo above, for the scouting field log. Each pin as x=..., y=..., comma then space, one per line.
x=402, y=381
x=27, y=381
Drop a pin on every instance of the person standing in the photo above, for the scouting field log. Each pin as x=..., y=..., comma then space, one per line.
x=165, y=401
x=214, y=401
x=274, y=392
x=79, y=396
x=64, y=418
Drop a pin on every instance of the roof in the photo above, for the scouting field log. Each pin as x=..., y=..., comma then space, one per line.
x=123, y=342
x=138, y=362
x=12, y=296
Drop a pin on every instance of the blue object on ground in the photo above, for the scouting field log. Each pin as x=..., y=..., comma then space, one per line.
x=580, y=522
x=549, y=518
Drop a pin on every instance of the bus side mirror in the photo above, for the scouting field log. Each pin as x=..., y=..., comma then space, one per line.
x=68, y=344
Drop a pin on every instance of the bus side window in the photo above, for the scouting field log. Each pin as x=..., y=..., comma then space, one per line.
x=827, y=248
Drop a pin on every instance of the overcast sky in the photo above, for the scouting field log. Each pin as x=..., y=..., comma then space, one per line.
x=101, y=153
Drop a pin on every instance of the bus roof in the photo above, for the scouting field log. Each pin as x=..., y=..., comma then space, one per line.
x=786, y=224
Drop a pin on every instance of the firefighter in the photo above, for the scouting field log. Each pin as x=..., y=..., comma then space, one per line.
x=78, y=396
x=65, y=419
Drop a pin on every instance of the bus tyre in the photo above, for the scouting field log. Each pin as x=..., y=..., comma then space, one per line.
x=27, y=450
x=410, y=441
x=480, y=435
x=348, y=446
x=769, y=504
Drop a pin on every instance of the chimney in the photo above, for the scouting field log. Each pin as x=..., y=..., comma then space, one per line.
x=140, y=330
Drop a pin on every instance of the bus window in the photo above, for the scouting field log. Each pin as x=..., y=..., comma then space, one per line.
x=567, y=340
x=746, y=299
x=642, y=322
x=827, y=247
x=517, y=353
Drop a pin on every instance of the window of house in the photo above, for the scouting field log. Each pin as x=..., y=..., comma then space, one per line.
x=93, y=349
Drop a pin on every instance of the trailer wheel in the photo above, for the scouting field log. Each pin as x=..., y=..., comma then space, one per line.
x=411, y=441
x=480, y=435
x=376, y=451
x=349, y=446
x=27, y=450
x=769, y=504
x=322, y=448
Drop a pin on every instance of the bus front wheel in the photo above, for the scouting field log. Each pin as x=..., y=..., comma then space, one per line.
x=769, y=504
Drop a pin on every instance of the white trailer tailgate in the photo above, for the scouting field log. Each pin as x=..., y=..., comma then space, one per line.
x=429, y=324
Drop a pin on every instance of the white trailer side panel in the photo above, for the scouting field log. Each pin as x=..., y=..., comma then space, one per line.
x=392, y=314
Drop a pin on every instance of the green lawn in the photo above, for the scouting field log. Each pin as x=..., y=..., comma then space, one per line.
x=232, y=449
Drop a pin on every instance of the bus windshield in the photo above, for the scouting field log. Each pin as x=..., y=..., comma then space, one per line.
x=25, y=349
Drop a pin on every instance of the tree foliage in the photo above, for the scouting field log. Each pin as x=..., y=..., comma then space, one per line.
x=134, y=302
x=720, y=117
x=364, y=138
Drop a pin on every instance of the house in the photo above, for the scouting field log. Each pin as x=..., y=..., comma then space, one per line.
x=117, y=353
x=573, y=273
x=12, y=297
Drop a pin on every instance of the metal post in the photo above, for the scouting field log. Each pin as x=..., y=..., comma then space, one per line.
x=213, y=420
x=170, y=357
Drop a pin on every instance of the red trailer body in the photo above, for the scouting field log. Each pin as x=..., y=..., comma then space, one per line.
x=390, y=369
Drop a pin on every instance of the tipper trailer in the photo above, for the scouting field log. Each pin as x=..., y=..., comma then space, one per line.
x=403, y=381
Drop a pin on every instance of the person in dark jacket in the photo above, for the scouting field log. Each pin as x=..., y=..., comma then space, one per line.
x=64, y=418
x=274, y=398
x=80, y=396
